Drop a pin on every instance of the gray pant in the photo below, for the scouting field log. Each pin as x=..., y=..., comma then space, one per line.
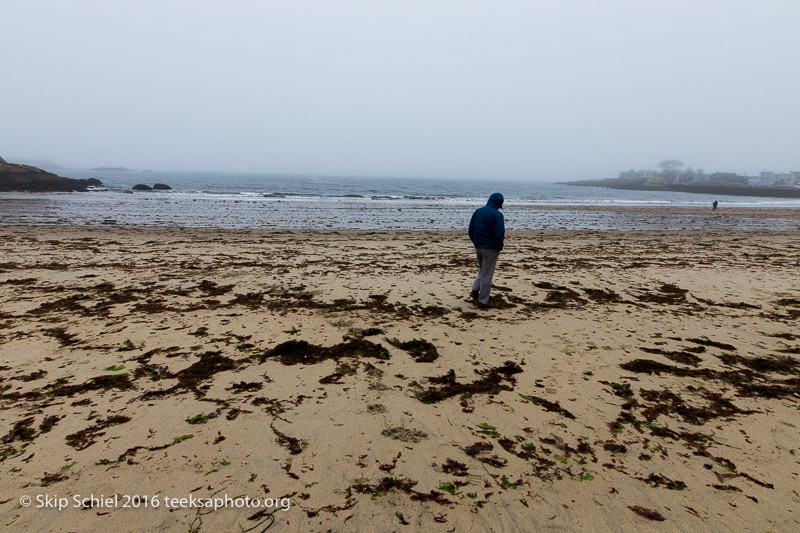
x=487, y=259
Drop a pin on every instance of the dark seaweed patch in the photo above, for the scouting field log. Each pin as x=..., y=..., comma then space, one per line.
x=605, y=296
x=563, y=297
x=199, y=332
x=421, y=350
x=48, y=423
x=787, y=336
x=391, y=484
x=762, y=364
x=25, y=281
x=49, y=479
x=665, y=402
x=748, y=381
x=546, y=285
x=244, y=386
x=726, y=488
x=730, y=305
x=86, y=437
x=757, y=481
x=667, y=293
x=547, y=405
x=623, y=390
x=614, y=447
x=60, y=334
x=154, y=372
x=64, y=305
x=685, y=357
x=657, y=480
x=210, y=288
x=349, y=503
x=302, y=352
x=455, y=468
x=648, y=366
x=33, y=376
x=650, y=514
x=21, y=430
x=294, y=445
x=493, y=381
x=210, y=363
x=480, y=451
x=153, y=306
x=251, y=299
x=369, y=332
x=104, y=382
x=478, y=448
x=342, y=370
x=119, y=297
x=388, y=467
x=190, y=378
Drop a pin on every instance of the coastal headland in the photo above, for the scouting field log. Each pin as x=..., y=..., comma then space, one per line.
x=27, y=178
x=696, y=188
x=622, y=381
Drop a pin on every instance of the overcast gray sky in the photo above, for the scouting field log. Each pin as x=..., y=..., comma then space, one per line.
x=507, y=89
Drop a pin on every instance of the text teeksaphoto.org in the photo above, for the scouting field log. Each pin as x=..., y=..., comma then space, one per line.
x=135, y=501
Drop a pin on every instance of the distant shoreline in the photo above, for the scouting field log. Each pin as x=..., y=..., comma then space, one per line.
x=727, y=190
x=722, y=211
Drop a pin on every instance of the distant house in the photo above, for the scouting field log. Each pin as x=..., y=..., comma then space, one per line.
x=765, y=179
x=786, y=180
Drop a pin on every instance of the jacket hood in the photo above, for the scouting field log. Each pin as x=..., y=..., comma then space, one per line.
x=495, y=200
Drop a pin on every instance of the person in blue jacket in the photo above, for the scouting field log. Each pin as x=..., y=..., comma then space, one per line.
x=487, y=230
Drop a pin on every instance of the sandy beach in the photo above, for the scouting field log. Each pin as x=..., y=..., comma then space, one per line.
x=622, y=381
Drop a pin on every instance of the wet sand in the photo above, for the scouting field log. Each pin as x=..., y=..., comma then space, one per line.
x=722, y=212
x=623, y=381
x=364, y=214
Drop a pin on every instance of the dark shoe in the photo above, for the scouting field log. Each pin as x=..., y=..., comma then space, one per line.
x=473, y=295
x=484, y=306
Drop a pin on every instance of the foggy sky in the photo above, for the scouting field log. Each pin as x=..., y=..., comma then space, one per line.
x=516, y=90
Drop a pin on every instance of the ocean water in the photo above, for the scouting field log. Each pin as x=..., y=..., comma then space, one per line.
x=230, y=200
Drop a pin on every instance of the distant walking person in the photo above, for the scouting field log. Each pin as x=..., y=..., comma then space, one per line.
x=714, y=205
x=487, y=230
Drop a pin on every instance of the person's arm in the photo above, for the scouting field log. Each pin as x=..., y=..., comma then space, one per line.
x=471, y=230
x=499, y=233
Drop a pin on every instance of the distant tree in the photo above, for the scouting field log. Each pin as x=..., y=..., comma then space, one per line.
x=668, y=166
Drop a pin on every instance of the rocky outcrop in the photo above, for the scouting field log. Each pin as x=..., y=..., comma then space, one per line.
x=27, y=178
x=155, y=187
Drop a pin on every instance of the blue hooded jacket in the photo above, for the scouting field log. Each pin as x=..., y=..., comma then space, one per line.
x=487, y=227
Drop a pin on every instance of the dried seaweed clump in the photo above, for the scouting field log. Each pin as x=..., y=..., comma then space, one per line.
x=296, y=352
x=421, y=350
x=493, y=381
